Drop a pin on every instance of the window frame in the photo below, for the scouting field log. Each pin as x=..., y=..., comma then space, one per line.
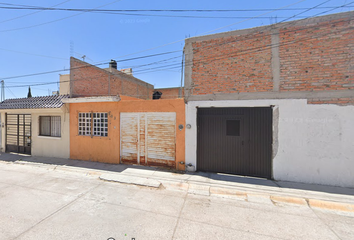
x=84, y=124
x=93, y=124
x=50, y=126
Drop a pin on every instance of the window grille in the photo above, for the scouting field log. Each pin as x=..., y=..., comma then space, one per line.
x=85, y=124
x=99, y=124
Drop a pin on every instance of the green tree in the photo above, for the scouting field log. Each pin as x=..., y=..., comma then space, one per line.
x=29, y=94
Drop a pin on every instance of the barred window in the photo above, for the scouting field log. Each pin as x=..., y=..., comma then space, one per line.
x=50, y=126
x=93, y=124
x=100, y=124
x=85, y=124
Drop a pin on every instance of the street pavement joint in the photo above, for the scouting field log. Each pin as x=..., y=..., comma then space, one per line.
x=57, y=211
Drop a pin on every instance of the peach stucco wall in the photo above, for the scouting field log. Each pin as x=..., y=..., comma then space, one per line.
x=107, y=149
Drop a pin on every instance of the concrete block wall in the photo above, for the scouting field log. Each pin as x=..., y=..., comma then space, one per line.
x=300, y=57
x=89, y=80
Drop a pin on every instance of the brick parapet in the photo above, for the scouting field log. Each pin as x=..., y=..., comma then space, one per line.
x=89, y=80
x=312, y=55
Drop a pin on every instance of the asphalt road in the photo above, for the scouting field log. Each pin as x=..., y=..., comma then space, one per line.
x=37, y=203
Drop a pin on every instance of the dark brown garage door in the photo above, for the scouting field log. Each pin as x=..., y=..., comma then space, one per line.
x=235, y=140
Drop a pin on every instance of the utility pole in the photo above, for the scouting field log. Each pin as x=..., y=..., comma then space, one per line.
x=180, y=92
x=2, y=90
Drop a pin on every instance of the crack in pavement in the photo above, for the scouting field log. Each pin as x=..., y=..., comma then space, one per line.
x=180, y=214
x=58, y=210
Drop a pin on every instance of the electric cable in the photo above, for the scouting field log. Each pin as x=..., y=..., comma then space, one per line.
x=57, y=20
x=22, y=16
x=106, y=63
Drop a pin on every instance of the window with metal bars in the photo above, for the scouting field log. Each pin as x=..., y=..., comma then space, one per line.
x=50, y=126
x=85, y=124
x=93, y=124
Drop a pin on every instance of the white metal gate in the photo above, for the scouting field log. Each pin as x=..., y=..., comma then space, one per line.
x=148, y=138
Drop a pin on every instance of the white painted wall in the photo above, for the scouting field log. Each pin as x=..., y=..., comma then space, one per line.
x=44, y=146
x=315, y=142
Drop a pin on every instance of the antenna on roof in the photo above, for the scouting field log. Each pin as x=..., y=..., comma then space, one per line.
x=83, y=57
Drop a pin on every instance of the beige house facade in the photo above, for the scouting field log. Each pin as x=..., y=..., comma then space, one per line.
x=38, y=126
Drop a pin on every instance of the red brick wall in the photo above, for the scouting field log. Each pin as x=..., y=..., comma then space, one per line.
x=170, y=93
x=231, y=64
x=314, y=56
x=89, y=80
x=317, y=57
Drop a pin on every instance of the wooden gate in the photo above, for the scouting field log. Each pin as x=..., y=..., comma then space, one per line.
x=18, y=133
x=148, y=139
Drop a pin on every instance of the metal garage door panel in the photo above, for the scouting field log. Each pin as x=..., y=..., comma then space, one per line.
x=161, y=135
x=129, y=137
x=243, y=151
x=219, y=151
x=260, y=163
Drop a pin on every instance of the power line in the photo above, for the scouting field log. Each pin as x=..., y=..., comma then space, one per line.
x=247, y=51
x=174, y=42
x=240, y=53
x=10, y=91
x=128, y=60
x=124, y=12
x=236, y=55
x=307, y=9
x=191, y=16
x=34, y=54
x=22, y=16
x=27, y=7
x=129, y=13
x=157, y=62
x=173, y=66
x=126, y=55
x=255, y=31
x=57, y=20
x=212, y=45
x=54, y=71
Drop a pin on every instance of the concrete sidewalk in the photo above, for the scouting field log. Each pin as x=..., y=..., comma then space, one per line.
x=208, y=184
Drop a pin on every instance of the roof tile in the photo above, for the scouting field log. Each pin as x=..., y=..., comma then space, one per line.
x=34, y=102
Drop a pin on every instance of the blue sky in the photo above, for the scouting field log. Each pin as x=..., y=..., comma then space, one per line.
x=33, y=41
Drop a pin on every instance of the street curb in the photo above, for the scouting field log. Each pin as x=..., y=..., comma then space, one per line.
x=130, y=180
x=228, y=193
x=344, y=207
x=196, y=188
x=276, y=199
x=290, y=200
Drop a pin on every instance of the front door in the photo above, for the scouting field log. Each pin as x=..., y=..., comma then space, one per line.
x=18, y=133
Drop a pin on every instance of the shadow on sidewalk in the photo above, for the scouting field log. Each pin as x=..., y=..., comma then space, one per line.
x=196, y=177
